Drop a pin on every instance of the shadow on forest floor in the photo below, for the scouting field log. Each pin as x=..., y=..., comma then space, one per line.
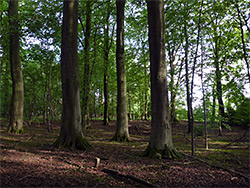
x=29, y=160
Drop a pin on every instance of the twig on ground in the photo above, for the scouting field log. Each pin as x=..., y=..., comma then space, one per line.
x=114, y=172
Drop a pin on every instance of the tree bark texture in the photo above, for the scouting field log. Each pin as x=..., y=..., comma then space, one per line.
x=189, y=103
x=122, y=133
x=71, y=135
x=161, y=144
x=243, y=43
x=86, y=89
x=106, y=65
x=49, y=106
x=219, y=86
x=16, y=108
x=203, y=98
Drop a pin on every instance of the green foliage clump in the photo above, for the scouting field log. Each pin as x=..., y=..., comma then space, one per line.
x=240, y=116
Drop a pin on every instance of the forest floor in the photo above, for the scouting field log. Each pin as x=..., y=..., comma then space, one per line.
x=29, y=160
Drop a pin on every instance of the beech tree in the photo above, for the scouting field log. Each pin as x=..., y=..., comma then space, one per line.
x=122, y=133
x=86, y=88
x=161, y=143
x=16, y=108
x=71, y=135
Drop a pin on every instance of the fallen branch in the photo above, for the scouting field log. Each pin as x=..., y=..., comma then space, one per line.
x=218, y=167
x=68, y=162
x=247, y=131
x=114, y=172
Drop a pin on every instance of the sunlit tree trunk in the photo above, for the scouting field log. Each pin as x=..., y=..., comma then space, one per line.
x=122, y=133
x=161, y=143
x=16, y=108
x=71, y=135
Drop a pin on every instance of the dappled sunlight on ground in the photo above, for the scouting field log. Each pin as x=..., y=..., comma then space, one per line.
x=29, y=160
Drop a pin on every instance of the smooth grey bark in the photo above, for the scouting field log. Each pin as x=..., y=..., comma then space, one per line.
x=71, y=135
x=161, y=143
x=122, y=133
x=16, y=108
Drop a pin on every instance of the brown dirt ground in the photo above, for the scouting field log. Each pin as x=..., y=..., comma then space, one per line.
x=29, y=160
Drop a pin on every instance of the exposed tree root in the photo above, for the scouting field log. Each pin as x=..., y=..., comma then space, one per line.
x=161, y=154
x=121, y=138
x=79, y=143
x=14, y=131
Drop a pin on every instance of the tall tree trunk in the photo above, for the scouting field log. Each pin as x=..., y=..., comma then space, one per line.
x=45, y=100
x=86, y=89
x=243, y=44
x=172, y=89
x=50, y=128
x=213, y=105
x=71, y=135
x=5, y=92
x=16, y=109
x=219, y=87
x=189, y=100
x=203, y=98
x=189, y=111
x=122, y=133
x=1, y=65
x=193, y=75
x=129, y=104
x=106, y=65
x=31, y=113
x=145, y=89
x=161, y=143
